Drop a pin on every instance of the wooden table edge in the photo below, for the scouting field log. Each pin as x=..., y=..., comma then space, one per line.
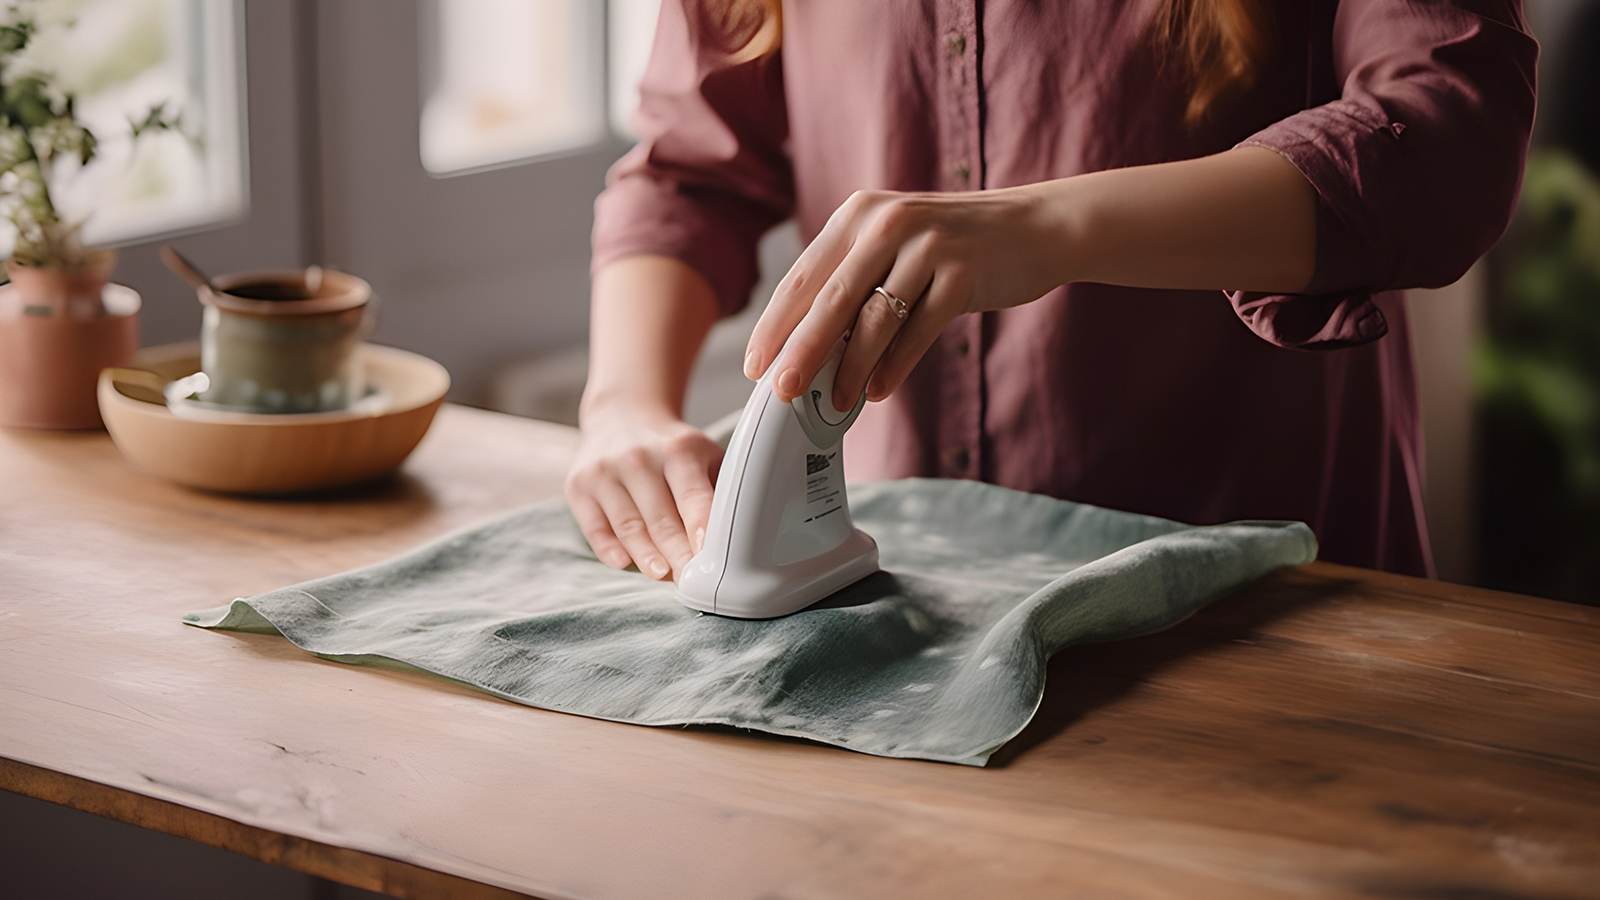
x=356, y=868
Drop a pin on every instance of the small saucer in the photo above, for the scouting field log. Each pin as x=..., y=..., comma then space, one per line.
x=217, y=448
x=193, y=405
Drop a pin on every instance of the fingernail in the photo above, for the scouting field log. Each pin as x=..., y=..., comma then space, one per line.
x=617, y=559
x=658, y=568
x=843, y=401
x=699, y=539
x=789, y=384
x=750, y=366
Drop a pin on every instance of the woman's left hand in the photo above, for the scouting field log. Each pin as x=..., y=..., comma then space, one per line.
x=941, y=255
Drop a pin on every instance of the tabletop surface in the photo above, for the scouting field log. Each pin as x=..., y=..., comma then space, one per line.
x=1326, y=729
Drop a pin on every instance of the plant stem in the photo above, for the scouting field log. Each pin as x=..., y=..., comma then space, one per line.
x=44, y=176
x=54, y=253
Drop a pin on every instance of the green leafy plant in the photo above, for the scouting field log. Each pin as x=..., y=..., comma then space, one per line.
x=1545, y=355
x=39, y=133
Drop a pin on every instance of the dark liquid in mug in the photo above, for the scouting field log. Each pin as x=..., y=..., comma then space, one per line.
x=270, y=291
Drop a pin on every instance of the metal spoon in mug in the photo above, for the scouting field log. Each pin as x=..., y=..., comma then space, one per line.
x=188, y=271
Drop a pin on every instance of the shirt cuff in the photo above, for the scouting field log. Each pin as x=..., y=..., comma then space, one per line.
x=1310, y=321
x=1326, y=145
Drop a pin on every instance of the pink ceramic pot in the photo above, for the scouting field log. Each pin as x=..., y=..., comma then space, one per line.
x=58, y=329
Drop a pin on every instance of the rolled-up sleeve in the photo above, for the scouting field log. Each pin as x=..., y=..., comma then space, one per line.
x=710, y=173
x=1416, y=166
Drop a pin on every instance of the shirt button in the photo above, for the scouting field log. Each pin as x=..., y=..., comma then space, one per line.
x=963, y=347
x=956, y=43
x=962, y=171
x=958, y=458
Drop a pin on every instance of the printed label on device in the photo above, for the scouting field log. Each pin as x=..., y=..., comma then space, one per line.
x=824, y=485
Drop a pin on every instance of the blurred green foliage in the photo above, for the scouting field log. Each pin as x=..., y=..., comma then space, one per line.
x=1537, y=376
x=1544, y=356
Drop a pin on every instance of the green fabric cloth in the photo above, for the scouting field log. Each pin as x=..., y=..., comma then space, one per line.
x=940, y=656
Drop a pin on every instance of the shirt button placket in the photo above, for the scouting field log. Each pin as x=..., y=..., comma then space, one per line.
x=961, y=388
x=956, y=48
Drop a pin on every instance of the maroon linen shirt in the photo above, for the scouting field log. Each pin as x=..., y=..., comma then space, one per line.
x=1410, y=119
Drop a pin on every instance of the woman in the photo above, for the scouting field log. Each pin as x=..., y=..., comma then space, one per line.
x=1144, y=255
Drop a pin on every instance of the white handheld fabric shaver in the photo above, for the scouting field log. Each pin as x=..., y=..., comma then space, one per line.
x=780, y=536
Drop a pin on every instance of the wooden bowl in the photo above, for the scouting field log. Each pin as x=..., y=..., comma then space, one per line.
x=255, y=453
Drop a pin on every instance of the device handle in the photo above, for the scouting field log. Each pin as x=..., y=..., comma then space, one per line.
x=824, y=424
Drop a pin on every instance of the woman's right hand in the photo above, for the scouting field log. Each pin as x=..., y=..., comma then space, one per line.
x=641, y=487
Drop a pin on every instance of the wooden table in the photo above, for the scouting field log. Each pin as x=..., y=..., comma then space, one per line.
x=1327, y=729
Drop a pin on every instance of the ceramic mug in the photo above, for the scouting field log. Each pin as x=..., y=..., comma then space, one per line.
x=285, y=342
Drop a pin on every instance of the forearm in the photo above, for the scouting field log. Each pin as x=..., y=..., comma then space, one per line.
x=649, y=316
x=1239, y=220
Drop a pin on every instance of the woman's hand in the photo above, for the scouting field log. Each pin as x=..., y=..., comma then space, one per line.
x=941, y=254
x=641, y=488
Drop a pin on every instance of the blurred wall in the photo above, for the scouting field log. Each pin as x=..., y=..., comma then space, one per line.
x=477, y=270
x=1444, y=325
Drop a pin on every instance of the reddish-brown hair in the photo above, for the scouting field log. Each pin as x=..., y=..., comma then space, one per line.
x=1217, y=43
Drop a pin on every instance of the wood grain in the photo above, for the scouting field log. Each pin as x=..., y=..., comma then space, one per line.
x=362, y=870
x=1328, y=730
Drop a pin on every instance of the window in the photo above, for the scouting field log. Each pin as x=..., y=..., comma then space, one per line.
x=632, y=26
x=510, y=80
x=120, y=57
